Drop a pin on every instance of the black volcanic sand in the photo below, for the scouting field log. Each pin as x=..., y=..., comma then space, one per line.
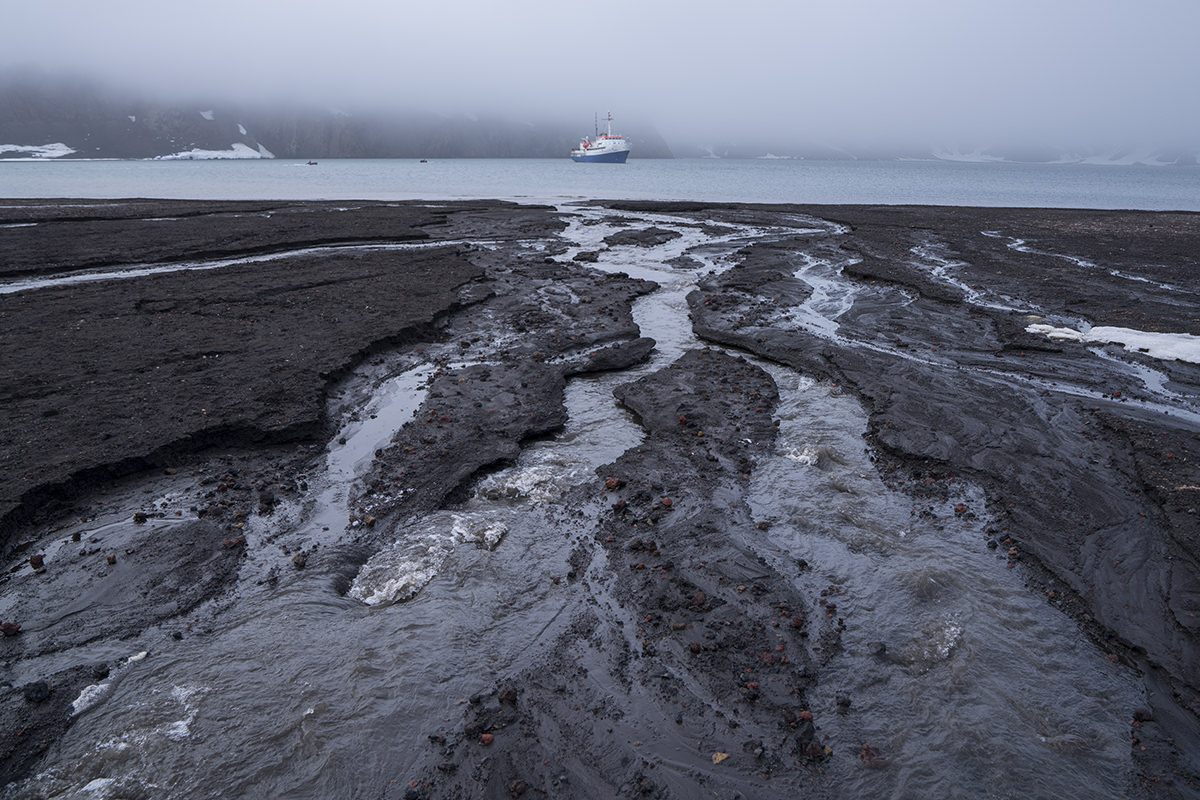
x=218, y=380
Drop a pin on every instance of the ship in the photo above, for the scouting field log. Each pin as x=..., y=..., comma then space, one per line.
x=604, y=148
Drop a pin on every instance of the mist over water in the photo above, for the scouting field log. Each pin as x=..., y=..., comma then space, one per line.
x=1069, y=75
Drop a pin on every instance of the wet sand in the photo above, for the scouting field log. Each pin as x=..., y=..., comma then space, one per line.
x=217, y=381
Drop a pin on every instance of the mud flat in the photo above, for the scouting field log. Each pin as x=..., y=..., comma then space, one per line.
x=613, y=499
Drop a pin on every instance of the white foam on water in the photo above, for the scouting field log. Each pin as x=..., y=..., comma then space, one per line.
x=393, y=580
x=399, y=572
x=93, y=694
x=939, y=640
x=809, y=455
x=89, y=696
x=480, y=530
x=181, y=728
x=539, y=482
x=99, y=787
x=155, y=719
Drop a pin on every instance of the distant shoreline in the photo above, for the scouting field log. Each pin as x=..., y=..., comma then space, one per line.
x=559, y=180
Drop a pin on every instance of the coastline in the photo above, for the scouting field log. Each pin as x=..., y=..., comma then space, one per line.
x=552, y=181
x=222, y=377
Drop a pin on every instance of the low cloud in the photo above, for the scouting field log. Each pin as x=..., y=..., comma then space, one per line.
x=858, y=72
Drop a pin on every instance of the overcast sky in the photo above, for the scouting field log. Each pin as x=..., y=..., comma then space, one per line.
x=1047, y=71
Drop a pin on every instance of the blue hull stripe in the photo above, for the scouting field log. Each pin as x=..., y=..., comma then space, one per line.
x=604, y=158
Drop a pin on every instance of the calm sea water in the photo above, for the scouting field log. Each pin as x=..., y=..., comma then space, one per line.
x=532, y=180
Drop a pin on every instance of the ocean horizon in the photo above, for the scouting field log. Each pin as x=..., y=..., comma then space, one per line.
x=943, y=183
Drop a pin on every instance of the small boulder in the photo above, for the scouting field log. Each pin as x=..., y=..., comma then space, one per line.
x=37, y=691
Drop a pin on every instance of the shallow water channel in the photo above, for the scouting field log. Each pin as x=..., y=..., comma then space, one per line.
x=963, y=683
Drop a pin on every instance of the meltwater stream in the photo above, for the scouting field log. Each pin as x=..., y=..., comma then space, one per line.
x=597, y=431
x=962, y=682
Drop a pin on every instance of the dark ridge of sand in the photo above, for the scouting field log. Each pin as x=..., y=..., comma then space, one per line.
x=103, y=379
x=134, y=377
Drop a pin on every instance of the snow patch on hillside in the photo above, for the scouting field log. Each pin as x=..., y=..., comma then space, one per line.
x=1139, y=157
x=967, y=156
x=36, y=151
x=237, y=150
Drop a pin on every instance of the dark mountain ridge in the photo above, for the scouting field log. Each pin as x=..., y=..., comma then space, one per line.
x=94, y=122
x=45, y=116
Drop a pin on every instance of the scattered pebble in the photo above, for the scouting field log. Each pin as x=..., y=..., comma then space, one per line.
x=36, y=692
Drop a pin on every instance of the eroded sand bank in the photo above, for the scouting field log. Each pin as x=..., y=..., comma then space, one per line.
x=180, y=379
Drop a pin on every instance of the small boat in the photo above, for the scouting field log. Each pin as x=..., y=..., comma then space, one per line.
x=604, y=148
x=311, y=164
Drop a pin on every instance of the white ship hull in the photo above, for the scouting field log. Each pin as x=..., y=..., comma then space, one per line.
x=606, y=148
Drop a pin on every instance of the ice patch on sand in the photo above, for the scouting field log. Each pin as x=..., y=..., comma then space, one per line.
x=1163, y=346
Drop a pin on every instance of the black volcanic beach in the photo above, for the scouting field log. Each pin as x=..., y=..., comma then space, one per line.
x=190, y=598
